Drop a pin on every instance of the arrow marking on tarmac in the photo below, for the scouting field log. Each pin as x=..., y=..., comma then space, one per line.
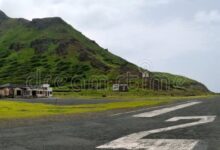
x=135, y=141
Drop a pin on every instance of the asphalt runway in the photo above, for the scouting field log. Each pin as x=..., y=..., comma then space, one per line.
x=193, y=125
x=59, y=101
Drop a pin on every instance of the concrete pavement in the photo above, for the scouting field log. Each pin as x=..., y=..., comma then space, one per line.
x=191, y=126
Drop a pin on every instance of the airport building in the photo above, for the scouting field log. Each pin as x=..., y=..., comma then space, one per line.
x=24, y=91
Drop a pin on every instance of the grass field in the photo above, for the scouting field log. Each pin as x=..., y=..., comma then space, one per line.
x=10, y=110
x=16, y=110
x=132, y=94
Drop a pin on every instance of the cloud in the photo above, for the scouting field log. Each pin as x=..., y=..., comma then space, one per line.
x=212, y=16
x=152, y=41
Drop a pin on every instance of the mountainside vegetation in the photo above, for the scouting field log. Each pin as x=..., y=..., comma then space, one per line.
x=51, y=47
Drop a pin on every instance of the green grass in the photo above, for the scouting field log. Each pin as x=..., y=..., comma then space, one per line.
x=132, y=94
x=18, y=110
x=14, y=110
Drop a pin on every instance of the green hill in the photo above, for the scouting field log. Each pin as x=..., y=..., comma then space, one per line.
x=57, y=49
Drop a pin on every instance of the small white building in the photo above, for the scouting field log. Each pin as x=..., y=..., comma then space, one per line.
x=120, y=87
x=145, y=74
x=43, y=90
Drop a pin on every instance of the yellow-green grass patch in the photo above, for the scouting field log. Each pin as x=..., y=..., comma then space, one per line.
x=14, y=110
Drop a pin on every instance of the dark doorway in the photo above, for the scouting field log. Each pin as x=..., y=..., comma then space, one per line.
x=18, y=93
x=34, y=93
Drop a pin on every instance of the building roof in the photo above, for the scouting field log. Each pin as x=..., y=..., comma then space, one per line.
x=9, y=85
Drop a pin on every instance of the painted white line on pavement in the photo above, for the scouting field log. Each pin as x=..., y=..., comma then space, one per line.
x=146, y=109
x=165, y=110
x=135, y=141
x=154, y=144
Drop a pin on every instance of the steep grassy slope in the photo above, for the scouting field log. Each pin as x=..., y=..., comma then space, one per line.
x=180, y=83
x=57, y=49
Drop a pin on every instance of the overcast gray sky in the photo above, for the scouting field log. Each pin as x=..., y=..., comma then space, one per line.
x=176, y=36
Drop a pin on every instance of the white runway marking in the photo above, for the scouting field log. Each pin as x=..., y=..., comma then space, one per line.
x=165, y=110
x=135, y=141
x=135, y=111
x=146, y=109
x=152, y=144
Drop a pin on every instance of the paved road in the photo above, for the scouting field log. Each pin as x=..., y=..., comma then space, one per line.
x=186, y=126
x=59, y=101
